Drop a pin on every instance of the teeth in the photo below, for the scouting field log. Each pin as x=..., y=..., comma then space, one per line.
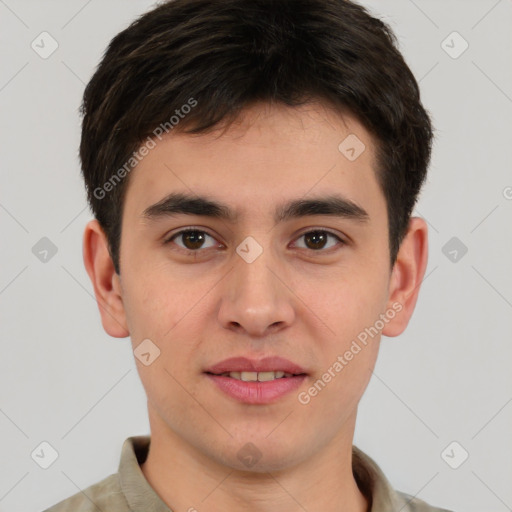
x=264, y=376
x=257, y=376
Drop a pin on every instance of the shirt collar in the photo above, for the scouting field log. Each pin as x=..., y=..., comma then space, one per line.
x=138, y=493
x=141, y=496
x=374, y=485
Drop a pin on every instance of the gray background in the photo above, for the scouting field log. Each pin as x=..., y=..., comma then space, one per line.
x=63, y=380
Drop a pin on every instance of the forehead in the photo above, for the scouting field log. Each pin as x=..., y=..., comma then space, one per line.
x=267, y=154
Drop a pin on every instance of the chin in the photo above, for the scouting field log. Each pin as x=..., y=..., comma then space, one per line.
x=260, y=454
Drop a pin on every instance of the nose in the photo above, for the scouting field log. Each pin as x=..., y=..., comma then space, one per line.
x=256, y=298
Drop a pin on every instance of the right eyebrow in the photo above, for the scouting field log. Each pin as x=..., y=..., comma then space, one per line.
x=179, y=203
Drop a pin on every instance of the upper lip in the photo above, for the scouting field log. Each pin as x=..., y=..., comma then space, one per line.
x=267, y=364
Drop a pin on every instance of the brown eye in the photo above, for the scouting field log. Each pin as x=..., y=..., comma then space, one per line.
x=191, y=239
x=317, y=240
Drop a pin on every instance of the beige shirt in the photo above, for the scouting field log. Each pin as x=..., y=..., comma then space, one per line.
x=129, y=491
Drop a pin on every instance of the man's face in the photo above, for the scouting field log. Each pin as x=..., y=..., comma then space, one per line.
x=306, y=297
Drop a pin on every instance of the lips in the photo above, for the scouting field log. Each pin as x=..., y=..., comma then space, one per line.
x=267, y=364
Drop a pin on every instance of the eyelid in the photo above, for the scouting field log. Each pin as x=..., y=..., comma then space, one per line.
x=340, y=237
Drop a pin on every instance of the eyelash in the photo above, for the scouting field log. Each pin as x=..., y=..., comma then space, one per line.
x=202, y=231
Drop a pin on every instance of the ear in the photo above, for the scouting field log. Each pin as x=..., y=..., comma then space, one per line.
x=106, y=282
x=407, y=275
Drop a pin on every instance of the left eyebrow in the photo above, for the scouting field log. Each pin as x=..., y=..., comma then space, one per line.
x=180, y=203
x=333, y=205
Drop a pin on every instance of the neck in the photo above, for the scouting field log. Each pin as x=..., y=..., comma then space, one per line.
x=188, y=480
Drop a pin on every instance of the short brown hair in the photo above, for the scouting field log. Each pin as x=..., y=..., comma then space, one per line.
x=229, y=54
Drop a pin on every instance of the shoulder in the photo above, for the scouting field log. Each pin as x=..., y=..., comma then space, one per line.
x=103, y=495
x=417, y=505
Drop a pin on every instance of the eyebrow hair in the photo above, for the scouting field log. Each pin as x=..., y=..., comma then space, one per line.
x=178, y=203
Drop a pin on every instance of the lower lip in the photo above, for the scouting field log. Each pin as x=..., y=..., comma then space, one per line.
x=257, y=392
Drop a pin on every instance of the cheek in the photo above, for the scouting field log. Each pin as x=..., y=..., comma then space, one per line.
x=346, y=302
x=350, y=305
x=348, y=357
x=171, y=312
x=157, y=301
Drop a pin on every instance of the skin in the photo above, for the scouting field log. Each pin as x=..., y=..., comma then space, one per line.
x=305, y=304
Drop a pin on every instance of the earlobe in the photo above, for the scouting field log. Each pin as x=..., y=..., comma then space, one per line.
x=407, y=275
x=106, y=282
